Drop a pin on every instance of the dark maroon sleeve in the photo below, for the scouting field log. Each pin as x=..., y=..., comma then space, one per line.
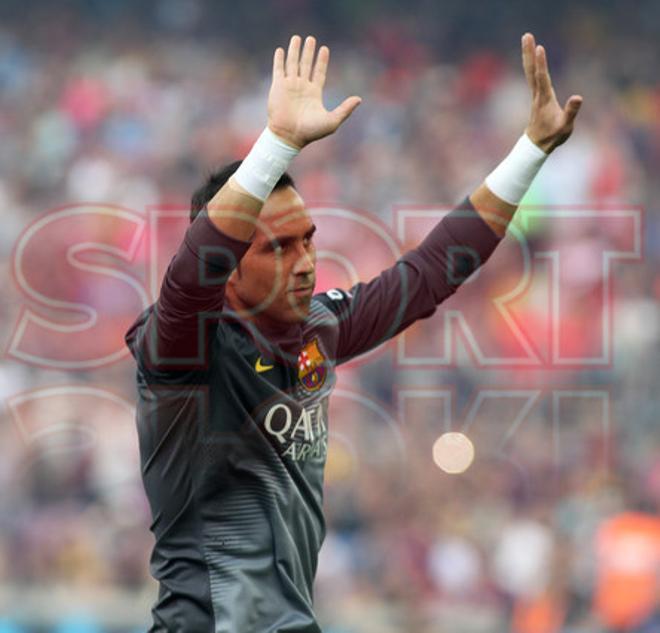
x=174, y=331
x=371, y=313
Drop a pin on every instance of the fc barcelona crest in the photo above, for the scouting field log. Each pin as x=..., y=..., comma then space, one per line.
x=311, y=366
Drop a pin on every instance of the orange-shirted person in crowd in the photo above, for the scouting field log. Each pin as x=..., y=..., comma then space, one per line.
x=628, y=571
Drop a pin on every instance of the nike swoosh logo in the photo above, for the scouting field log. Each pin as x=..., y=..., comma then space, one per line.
x=261, y=368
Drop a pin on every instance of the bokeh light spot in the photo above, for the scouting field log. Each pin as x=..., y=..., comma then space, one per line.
x=453, y=452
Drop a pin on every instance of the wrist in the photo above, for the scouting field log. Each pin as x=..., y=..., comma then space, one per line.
x=265, y=164
x=545, y=145
x=511, y=179
x=285, y=138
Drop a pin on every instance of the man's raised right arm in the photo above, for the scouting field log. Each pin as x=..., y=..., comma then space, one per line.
x=192, y=293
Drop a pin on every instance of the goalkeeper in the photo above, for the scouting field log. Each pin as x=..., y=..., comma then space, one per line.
x=236, y=359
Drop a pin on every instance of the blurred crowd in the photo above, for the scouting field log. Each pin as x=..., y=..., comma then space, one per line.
x=554, y=528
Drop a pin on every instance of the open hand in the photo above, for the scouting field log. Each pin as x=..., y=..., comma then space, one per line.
x=295, y=103
x=549, y=124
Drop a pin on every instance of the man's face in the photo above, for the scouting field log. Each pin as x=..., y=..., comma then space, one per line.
x=274, y=281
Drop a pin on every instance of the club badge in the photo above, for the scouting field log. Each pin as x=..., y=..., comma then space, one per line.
x=311, y=366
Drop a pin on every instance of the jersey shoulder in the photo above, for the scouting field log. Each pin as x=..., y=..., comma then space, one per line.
x=335, y=301
x=326, y=315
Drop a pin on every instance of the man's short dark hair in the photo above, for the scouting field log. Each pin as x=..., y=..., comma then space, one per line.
x=216, y=181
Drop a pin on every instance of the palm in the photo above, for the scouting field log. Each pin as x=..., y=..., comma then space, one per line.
x=295, y=102
x=298, y=108
x=550, y=124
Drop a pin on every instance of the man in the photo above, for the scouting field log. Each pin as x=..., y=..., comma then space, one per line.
x=236, y=359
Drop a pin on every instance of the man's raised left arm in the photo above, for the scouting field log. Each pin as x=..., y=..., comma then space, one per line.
x=549, y=126
x=371, y=313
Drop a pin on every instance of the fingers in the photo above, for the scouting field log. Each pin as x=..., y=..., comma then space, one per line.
x=528, y=45
x=543, y=83
x=345, y=109
x=278, y=62
x=321, y=67
x=572, y=107
x=293, y=56
x=298, y=65
x=307, y=57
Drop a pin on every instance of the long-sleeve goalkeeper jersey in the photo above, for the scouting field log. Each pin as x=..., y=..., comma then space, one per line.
x=233, y=424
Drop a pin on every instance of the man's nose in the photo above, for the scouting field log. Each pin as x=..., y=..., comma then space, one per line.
x=305, y=263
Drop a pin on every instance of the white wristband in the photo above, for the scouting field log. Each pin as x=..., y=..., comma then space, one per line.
x=511, y=179
x=264, y=165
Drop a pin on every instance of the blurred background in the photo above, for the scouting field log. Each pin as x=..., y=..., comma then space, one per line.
x=554, y=526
